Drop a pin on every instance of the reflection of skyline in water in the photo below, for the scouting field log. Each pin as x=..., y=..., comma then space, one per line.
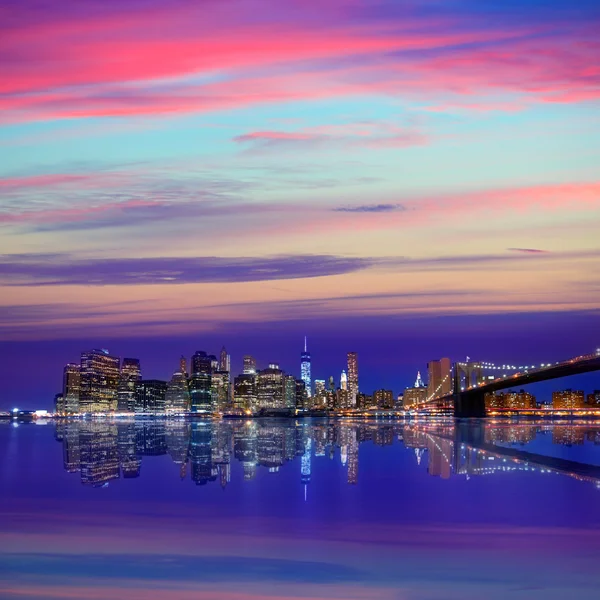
x=103, y=451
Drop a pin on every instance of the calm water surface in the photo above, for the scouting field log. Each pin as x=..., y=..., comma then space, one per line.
x=307, y=509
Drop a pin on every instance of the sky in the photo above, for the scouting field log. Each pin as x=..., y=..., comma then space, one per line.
x=380, y=176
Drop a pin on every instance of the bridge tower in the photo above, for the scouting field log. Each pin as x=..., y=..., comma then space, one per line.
x=471, y=405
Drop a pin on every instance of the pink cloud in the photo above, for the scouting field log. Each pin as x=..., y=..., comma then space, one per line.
x=134, y=62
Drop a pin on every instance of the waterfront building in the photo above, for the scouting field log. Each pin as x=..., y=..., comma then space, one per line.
x=510, y=400
x=593, y=399
x=269, y=387
x=99, y=382
x=289, y=383
x=220, y=390
x=363, y=400
x=305, y=369
x=59, y=404
x=128, y=377
x=302, y=399
x=352, y=360
x=568, y=399
x=383, y=399
x=320, y=398
x=71, y=389
x=201, y=382
x=150, y=396
x=244, y=392
x=440, y=378
x=177, y=397
x=342, y=399
x=414, y=397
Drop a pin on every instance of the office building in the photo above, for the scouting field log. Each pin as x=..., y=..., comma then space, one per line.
x=383, y=399
x=220, y=390
x=244, y=392
x=183, y=365
x=510, y=400
x=129, y=376
x=440, y=378
x=201, y=383
x=352, y=376
x=269, y=387
x=414, y=397
x=224, y=361
x=289, y=383
x=71, y=389
x=177, y=397
x=99, y=382
x=59, y=404
x=568, y=399
x=593, y=399
x=343, y=381
x=305, y=369
x=249, y=365
x=150, y=396
x=302, y=399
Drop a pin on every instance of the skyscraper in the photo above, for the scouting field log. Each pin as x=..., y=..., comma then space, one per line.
x=130, y=374
x=352, y=377
x=269, y=387
x=177, y=399
x=343, y=381
x=249, y=365
x=99, y=382
x=220, y=390
x=224, y=360
x=305, y=374
x=71, y=388
x=419, y=382
x=440, y=378
x=200, y=382
x=150, y=396
x=183, y=365
x=244, y=392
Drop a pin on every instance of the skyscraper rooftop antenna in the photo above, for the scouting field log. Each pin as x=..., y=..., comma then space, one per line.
x=304, y=343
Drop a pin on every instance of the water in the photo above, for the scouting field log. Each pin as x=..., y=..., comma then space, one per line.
x=307, y=509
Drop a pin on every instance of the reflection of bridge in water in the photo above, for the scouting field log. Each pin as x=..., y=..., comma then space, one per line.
x=103, y=451
x=469, y=401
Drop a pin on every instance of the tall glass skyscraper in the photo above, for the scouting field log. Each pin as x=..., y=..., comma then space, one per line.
x=305, y=369
x=201, y=383
x=352, y=377
x=99, y=382
x=128, y=378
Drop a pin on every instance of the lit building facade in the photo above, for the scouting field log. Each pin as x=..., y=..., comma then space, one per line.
x=440, y=378
x=269, y=388
x=568, y=399
x=383, y=399
x=249, y=365
x=201, y=383
x=71, y=389
x=352, y=360
x=414, y=397
x=244, y=392
x=150, y=396
x=99, y=382
x=220, y=390
x=129, y=376
x=177, y=397
x=224, y=361
x=305, y=369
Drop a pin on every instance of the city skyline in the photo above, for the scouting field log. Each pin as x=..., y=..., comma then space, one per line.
x=106, y=384
x=358, y=174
